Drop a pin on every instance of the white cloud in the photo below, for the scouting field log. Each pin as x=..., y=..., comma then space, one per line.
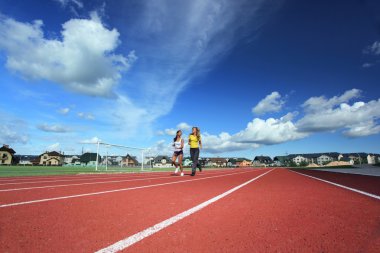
x=171, y=131
x=224, y=142
x=315, y=104
x=363, y=129
x=93, y=140
x=270, y=131
x=336, y=114
x=87, y=116
x=271, y=103
x=190, y=37
x=53, y=147
x=373, y=49
x=10, y=133
x=184, y=126
x=13, y=130
x=53, y=128
x=73, y=5
x=161, y=148
x=64, y=111
x=64, y=3
x=83, y=61
x=367, y=65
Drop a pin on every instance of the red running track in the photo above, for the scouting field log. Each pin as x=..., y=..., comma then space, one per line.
x=370, y=184
x=279, y=212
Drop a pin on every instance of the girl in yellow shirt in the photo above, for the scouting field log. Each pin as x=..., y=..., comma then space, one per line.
x=195, y=142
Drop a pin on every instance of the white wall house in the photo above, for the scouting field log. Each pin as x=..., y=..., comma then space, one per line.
x=324, y=159
x=299, y=159
x=372, y=159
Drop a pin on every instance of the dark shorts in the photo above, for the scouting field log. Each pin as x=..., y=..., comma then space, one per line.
x=178, y=153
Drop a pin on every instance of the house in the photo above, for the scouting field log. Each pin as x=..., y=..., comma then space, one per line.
x=162, y=161
x=51, y=159
x=262, y=161
x=281, y=160
x=111, y=160
x=324, y=159
x=242, y=162
x=89, y=159
x=71, y=160
x=129, y=161
x=318, y=158
x=204, y=162
x=298, y=159
x=28, y=159
x=373, y=158
x=358, y=158
x=7, y=155
x=232, y=162
x=217, y=162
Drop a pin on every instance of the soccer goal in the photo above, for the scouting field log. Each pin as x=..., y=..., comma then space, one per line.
x=114, y=157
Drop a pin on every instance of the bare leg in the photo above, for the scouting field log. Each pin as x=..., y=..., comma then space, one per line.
x=174, y=158
x=180, y=157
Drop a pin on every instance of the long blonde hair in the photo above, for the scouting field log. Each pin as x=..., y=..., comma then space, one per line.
x=198, y=132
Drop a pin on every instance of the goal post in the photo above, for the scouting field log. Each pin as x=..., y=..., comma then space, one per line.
x=116, y=157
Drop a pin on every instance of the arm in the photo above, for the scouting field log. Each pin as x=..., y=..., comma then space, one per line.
x=182, y=143
x=200, y=144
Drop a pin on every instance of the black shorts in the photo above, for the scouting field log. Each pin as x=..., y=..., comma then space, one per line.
x=178, y=153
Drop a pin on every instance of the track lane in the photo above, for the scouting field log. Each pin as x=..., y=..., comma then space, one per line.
x=21, y=179
x=76, y=179
x=370, y=184
x=86, y=224
x=281, y=212
x=43, y=182
x=7, y=198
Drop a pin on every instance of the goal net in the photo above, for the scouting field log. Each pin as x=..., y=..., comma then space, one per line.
x=114, y=157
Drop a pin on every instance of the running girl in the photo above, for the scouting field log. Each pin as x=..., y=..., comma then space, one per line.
x=178, y=152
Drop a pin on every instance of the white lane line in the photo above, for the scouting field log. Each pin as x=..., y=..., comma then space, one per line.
x=342, y=186
x=117, y=190
x=125, y=243
x=92, y=176
x=68, y=180
x=66, y=185
x=113, y=176
x=130, y=179
x=62, y=176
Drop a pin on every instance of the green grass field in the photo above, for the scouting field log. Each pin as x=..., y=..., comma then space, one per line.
x=12, y=171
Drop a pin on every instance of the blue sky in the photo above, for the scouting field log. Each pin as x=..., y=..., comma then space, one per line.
x=258, y=77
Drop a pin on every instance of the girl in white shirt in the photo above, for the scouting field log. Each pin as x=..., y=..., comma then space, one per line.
x=178, y=151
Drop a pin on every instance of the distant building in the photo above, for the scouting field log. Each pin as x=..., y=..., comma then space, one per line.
x=7, y=155
x=281, y=160
x=129, y=161
x=28, y=159
x=162, y=161
x=373, y=158
x=71, y=160
x=357, y=158
x=324, y=159
x=51, y=159
x=89, y=159
x=217, y=162
x=262, y=161
x=244, y=162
